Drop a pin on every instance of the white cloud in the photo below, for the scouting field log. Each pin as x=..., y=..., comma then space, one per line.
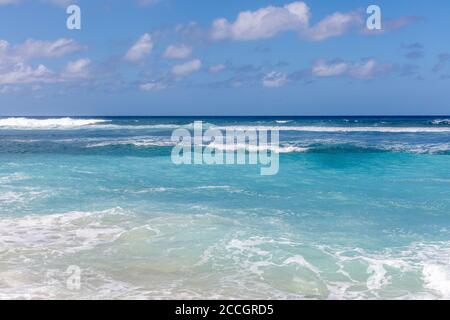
x=21, y=73
x=323, y=68
x=140, y=49
x=47, y=49
x=366, y=69
x=274, y=79
x=77, y=69
x=363, y=70
x=262, y=23
x=31, y=49
x=153, y=86
x=334, y=25
x=24, y=74
x=178, y=52
x=187, y=68
x=217, y=68
x=61, y=3
x=15, y=68
x=270, y=21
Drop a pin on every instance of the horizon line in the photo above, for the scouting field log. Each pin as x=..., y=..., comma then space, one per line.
x=226, y=116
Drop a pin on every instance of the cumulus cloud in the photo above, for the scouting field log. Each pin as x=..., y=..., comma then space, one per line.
x=24, y=74
x=400, y=22
x=60, y=3
x=274, y=79
x=262, y=23
x=16, y=60
x=31, y=49
x=187, y=68
x=77, y=69
x=334, y=25
x=269, y=21
x=140, y=49
x=21, y=73
x=365, y=69
x=153, y=86
x=390, y=25
x=177, y=52
x=47, y=49
x=322, y=68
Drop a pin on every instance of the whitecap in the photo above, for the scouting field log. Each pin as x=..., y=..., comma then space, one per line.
x=340, y=129
x=257, y=148
x=132, y=142
x=283, y=121
x=441, y=122
x=67, y=232
x=46, y=124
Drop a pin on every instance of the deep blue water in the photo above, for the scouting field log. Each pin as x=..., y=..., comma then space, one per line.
x=360, y=208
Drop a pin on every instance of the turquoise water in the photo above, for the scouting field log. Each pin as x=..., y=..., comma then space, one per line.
x=360, y=209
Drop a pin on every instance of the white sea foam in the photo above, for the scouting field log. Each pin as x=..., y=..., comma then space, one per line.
x=283, y=121
x=17, y=176
x=10, y=197
x=437, y=277
x=154, y=190
x=301, y=261
x=427, y=262
x=161, y=142
x=441, y=122
x=68, y=232
x=228, y=189
x=46, y=124
x=20, y=197
x=341, y=129
x=145, y=126
x=132, y=142
x=221, y=257
x=418, y=148
x=345, y=273
x=322, y=145
x=434, y=259
x=258, y=148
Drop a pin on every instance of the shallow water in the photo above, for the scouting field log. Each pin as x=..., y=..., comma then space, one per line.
x=359, y=209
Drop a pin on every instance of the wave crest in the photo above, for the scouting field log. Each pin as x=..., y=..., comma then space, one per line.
x=340, y=129
x=51, y=123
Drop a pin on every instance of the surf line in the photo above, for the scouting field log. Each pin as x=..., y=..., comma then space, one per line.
x=213, y=146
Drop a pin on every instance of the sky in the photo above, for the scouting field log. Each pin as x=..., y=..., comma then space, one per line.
x=224, y=57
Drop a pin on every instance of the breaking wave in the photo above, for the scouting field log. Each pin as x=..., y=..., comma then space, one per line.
x=341, y=129
x=441, y=122
x=45, y=124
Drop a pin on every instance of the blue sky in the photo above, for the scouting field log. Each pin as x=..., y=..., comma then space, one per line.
x=227, y=57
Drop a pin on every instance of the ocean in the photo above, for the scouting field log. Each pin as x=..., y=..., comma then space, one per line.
x=360, y=209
